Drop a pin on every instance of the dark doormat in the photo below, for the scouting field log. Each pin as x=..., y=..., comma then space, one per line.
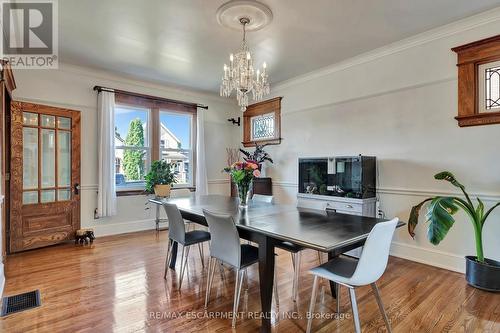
x=20, y=302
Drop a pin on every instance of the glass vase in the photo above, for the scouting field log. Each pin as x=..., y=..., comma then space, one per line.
x=244, y=190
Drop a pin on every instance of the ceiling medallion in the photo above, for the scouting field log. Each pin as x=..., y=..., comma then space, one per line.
x=240, y=75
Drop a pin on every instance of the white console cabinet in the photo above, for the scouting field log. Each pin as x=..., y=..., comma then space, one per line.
x=352, y=206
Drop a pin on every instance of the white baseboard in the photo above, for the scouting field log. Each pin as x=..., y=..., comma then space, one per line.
x=430, y=257
x=108, y=229
x=2, y=279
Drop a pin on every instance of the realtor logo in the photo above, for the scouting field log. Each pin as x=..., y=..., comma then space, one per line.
x=29, y=30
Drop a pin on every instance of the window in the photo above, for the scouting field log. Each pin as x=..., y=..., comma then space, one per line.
x=261, y=123
x=262, y=127
x=176, y=143
x=489, y=87
x=132, y=152
x=146, y=130
x=479, y=82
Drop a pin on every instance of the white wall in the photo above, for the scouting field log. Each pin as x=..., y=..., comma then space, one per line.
x=398, y=103
x=71, y=87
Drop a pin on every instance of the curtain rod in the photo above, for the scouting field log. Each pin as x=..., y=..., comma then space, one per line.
x=123, y=92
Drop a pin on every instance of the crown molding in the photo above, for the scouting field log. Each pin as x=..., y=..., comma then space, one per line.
x=447, y=30
x=120, y=78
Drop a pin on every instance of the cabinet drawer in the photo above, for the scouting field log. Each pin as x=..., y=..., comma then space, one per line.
x=311, y=204
x=344, y=207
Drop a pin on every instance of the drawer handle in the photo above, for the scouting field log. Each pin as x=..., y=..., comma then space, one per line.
x=349, y=206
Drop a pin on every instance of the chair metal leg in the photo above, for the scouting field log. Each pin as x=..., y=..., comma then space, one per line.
x=292, y=255
x=320, y=258
x=237, y=291
x=221, y=271
x=275, y=291
x=210, y=278
x=311, y=305
x=337, y=292
x=246, y=279
x=200, y=249
x=355, y=313
x=296, y=276
x=376, y=292
x=183, y=269
x=167, y=261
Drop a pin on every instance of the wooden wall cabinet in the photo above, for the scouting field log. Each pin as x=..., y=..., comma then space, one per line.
x=260, y=109
x=470, y=57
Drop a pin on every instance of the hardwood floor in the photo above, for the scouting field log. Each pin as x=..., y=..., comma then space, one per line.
x=117, y=285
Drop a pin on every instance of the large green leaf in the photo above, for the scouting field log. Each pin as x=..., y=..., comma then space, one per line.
x=440, y=219
x=414, y=215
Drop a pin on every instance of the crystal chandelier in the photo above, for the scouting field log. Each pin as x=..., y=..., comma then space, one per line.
x=241, y=76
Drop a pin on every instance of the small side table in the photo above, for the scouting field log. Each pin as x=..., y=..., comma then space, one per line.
x=159, y=203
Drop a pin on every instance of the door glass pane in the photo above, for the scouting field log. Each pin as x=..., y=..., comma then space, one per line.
x=48, y=158
x=30, y=158
x=48, y=121
x=30, y=119
x=63, y=158
x=48, y=196
x=63, y=195
x=64, y=123
x=30, y=197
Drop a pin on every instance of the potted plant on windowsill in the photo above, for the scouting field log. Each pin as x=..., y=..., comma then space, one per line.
x=481, y=272
x=160, y=178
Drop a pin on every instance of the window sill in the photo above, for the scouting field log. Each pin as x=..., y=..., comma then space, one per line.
x=275, y=141
x=124, y=193
x=132, y=192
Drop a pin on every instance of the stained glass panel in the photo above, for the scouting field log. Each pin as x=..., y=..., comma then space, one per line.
x=492, y=88
x=263, y=127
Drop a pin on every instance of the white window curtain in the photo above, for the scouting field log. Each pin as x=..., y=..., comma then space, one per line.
x=106, y=197
x=201, y=166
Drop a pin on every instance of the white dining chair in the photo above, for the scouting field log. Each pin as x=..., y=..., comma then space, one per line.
x=353, y=273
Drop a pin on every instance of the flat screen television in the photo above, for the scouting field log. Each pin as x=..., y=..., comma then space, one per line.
x=343, y=176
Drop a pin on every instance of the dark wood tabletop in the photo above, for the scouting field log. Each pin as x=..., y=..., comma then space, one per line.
x=320, y=230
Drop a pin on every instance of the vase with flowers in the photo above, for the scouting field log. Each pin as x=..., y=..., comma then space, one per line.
x=242, y=174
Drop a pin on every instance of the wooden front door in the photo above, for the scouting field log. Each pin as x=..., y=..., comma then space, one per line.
x=45, y=175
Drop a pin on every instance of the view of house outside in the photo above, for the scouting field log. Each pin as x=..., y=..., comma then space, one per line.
x=132, y=151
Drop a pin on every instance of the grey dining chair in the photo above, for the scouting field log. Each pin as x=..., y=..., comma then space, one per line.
x=225, y=247
x=294, y=250
x=183, y=193
x=353, y=273
x=177, y=233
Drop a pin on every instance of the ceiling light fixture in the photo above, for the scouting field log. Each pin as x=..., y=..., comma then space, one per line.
x=240, y=74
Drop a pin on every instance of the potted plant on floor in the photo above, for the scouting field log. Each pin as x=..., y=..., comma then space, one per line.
x=481, y=272
x=160, y=178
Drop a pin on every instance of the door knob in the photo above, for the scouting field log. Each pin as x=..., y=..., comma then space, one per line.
x=77, y=188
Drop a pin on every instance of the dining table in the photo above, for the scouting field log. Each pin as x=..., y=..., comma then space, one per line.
x=268, y=224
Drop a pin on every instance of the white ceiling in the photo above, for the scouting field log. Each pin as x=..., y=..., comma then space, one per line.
x=179, y=42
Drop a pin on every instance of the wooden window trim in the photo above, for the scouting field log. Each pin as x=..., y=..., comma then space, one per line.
x=469, y=57
x=270, y=106
x=155, y=105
